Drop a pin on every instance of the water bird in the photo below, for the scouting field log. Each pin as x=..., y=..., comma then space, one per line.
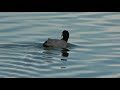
x=59, y=43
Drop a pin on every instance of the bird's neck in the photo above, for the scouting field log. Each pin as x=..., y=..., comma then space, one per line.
x=65, y=39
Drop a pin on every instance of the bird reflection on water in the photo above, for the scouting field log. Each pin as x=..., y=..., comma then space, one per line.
x=65, y=54
x=62, y=53
x=51, y=51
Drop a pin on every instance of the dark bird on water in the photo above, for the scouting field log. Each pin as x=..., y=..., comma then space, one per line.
x=62, y=43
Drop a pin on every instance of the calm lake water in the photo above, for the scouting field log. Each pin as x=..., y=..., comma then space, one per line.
x=93, y=51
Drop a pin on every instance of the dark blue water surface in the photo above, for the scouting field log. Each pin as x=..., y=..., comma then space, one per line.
x=94, y=45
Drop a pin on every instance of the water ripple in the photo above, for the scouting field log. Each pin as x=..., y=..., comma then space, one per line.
x=93, y=49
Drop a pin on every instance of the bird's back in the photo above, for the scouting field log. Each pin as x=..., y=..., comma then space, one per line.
x=55, y=43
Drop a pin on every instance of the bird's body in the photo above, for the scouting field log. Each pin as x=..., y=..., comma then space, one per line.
x=56, y=42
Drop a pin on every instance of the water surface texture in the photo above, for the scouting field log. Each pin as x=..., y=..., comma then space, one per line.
x=93, y=51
